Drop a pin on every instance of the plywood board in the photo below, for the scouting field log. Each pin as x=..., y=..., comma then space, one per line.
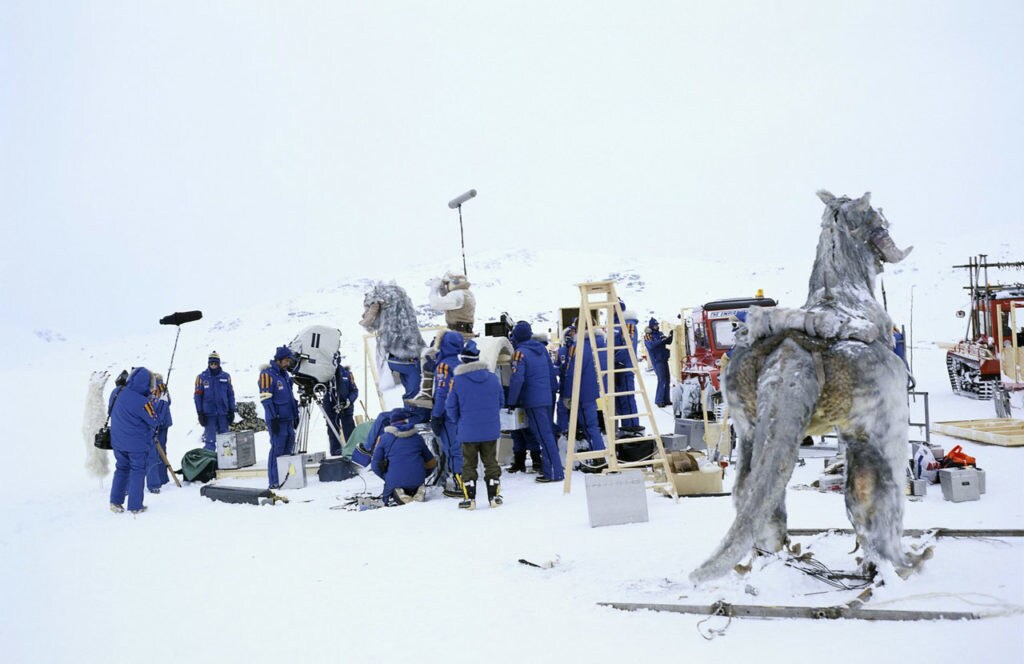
x=1004, y=432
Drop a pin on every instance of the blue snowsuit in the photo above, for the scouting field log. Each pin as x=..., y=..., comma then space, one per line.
x=215, y=402
x=531, y=387
x=339, y=403
x=474, y=403
x=657, y=350
x=561, y=412
x=624, y=382
x=399, y=459
x=447, y=360
x=282, y=414
x=156, y=471
x=409, y=373
x=133, y=421
x=589, y=393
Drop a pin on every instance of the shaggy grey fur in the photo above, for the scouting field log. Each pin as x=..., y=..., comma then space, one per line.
x=97, y=461
x=827, y=365
x=388, y=312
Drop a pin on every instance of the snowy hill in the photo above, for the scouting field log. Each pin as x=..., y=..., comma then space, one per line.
x=193, y=580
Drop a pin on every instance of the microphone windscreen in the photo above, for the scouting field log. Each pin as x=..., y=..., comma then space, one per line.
x=179, y=317
x=456, y=202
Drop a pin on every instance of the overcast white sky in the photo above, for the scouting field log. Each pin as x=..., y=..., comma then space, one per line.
x=160, y=156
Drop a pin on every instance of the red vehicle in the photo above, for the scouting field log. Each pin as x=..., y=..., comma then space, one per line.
x=991, y=352
x=709, y=335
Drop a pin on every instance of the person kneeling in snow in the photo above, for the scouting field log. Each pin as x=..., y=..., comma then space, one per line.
x=474, y=404
x=402, y=460
x=133, y=422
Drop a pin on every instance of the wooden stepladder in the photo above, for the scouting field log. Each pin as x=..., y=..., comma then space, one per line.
x=599, y=297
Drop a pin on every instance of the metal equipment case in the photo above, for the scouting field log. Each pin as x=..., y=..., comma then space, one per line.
x=236, y=449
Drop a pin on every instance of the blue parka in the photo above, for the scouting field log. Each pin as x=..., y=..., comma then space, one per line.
x=133, y=419
x=474, y=403
x=588, y=379
x=277, y=395
x=447, y=360
x=532, y=382
x=406, y=455
x=657, y=345
x=163, y=406
x=113, y=397
x=344, y=386
x=622, y=359
x=214, y=394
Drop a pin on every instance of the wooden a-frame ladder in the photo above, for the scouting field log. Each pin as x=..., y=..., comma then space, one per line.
x=595, y=297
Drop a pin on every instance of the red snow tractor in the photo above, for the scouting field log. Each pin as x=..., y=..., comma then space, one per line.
x=709, y=335
x=990, y=354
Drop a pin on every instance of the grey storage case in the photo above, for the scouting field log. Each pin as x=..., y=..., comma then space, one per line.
x=960, y=484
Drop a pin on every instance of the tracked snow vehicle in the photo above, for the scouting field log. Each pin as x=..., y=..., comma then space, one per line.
x=990, y=354
x=710, y=334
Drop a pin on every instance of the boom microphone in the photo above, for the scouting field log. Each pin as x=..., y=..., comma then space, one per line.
x=180, y=317
x=458, y=201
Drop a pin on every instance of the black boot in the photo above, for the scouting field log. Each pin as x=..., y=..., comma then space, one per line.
x=535, y=460
x=493, y=493
x=457, y=489
x=518, y=463
x=470, y=501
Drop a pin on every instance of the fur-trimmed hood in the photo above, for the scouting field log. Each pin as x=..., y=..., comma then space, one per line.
x=463, y=369
x=406, y=430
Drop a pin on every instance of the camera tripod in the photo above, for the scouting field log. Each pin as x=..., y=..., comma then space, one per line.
x=308, y=397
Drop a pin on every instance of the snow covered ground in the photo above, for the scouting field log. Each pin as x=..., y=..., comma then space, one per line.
x=197, y=581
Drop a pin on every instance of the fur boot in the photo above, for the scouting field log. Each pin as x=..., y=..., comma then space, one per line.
x=425, y=397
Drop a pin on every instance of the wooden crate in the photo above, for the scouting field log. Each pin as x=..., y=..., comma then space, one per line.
x=1005, y=432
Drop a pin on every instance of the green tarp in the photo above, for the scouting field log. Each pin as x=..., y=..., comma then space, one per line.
x=358, y=436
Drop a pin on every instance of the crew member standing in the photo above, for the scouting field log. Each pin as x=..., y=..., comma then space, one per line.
x=279, y=407
x=133, y=422
x=532, y=387
x=156, y=470
x=444, y=428
x=215, y=401
x=586, y=409
x=339, y=403
x=474, y=405
x=657, y=351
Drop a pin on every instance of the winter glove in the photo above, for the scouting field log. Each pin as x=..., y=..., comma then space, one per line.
x=231, y=417
x=295, y=423
x=668, y=339
x=345, y=405
x=202, y=419
x=435, y=425
x=275, y=426
x=566, y=403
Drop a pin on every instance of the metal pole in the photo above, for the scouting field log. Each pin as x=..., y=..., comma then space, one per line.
x=462, y=238
x=167, y=381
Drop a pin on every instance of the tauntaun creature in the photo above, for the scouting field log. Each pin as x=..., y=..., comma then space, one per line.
x=829, y=364
x=388, y=312
x=97, y=461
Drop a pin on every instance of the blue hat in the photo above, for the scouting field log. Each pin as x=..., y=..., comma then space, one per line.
x=522, y=331
x=653, y=322
x=283, y=352
x=469, y=352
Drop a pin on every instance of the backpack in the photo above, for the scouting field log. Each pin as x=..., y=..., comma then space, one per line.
x=199, y=465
